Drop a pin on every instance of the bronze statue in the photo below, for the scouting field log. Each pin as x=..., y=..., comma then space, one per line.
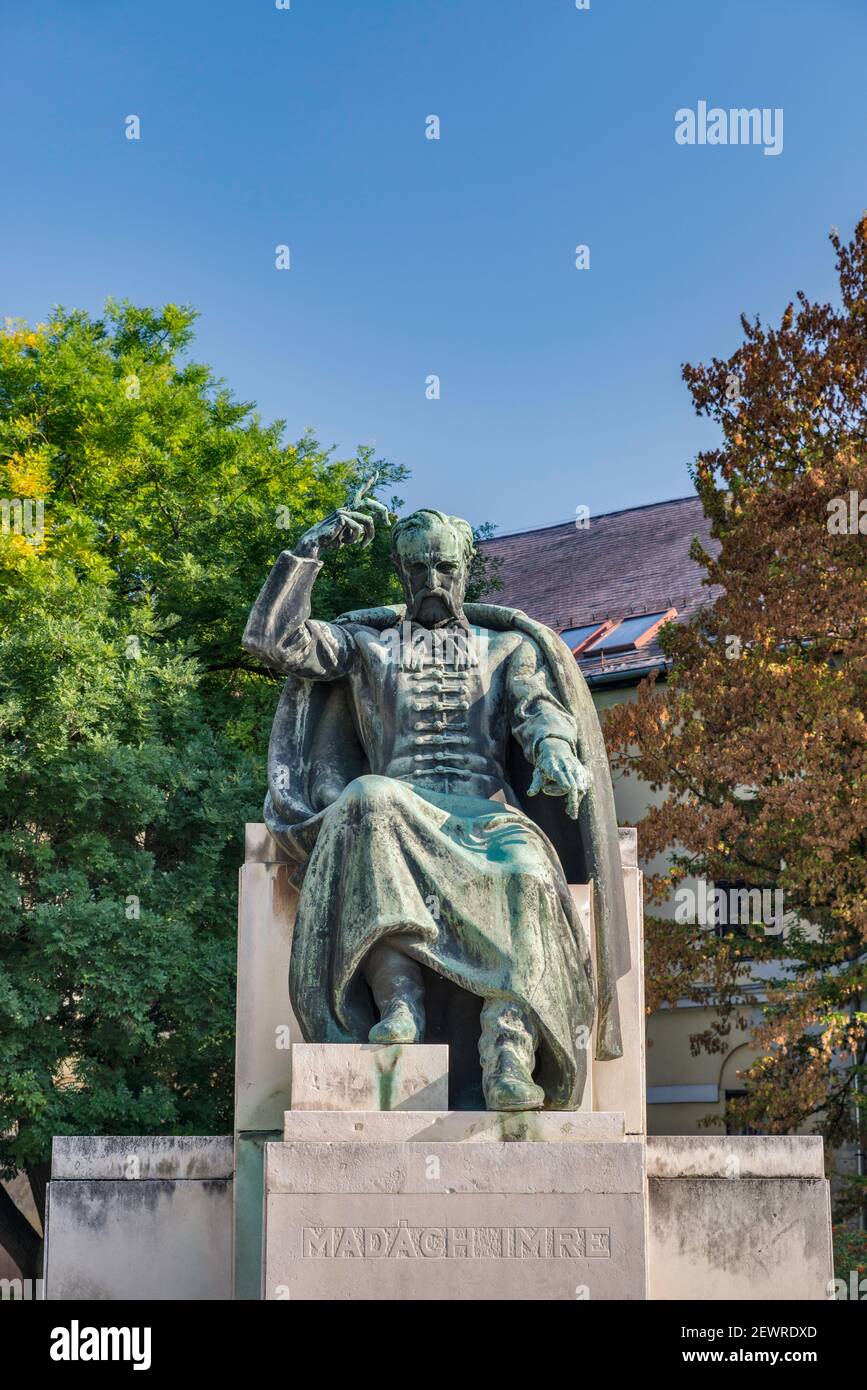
x=406, y=758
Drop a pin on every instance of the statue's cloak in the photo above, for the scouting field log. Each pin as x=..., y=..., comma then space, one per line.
x=315, y=752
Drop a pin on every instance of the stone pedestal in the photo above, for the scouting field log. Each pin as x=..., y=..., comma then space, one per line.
x=368, y=1186
x=451, y=1220
x=405, y=1199
x=269, y=1045
x=375, y=1189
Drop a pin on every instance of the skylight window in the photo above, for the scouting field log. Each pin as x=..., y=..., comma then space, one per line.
x=578, y=637
x=630, y=633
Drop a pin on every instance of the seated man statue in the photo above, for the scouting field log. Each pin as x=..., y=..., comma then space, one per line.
x=405, y=761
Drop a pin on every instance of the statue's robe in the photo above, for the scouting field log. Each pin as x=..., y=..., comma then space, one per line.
x=398, y=781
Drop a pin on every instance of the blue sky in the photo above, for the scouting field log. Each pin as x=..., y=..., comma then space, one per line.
x=455, y=257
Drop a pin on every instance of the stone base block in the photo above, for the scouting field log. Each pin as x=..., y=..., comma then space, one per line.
x=368, y=1076
x=139, y=1218
x=738, y=1218
x=172, y=1158
x=454, y=1126
x=515, y=1221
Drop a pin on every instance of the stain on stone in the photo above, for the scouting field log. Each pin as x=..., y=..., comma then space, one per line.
x=281, y=893
x=517, y=1127
x=386, y=1062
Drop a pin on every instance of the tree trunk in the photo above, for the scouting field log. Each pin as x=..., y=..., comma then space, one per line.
x=18, y=1238
x=38, y=1175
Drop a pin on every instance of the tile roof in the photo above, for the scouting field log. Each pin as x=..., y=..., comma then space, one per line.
x=632, y=561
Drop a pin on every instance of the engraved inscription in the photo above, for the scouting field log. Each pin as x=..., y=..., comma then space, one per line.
x=455, y=1242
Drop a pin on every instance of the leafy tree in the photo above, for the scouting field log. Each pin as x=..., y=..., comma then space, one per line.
x=850, y=1256
x=133, y=728
x=759, y=734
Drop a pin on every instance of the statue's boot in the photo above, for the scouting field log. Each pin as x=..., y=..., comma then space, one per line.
x=507, y=1048
x=398, y=990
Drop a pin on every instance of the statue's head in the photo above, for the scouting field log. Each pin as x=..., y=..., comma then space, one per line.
x=432, y=554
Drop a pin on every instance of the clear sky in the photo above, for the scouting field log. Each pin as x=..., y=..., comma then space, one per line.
x=412, y=257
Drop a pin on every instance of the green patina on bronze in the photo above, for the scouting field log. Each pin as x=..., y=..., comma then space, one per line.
x=407, y=756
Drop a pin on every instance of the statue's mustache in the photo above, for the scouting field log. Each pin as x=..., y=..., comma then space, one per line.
x=442, y=594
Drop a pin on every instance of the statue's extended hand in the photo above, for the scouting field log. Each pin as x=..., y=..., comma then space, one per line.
x=347, y=525
x=559, y=773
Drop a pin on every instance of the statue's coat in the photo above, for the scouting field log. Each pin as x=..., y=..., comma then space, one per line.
x=315, y=753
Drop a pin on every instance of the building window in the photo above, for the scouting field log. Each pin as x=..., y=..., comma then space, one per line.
x=736, y=1127
x=630, y=633
x=739, y=930
x=578, y=637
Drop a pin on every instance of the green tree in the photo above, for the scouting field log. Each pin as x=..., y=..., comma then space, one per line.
x=133, y=728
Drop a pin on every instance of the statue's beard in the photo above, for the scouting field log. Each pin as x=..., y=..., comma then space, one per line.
x=432, y=608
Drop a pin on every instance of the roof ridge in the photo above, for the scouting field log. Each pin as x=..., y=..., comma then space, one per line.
x=621, y=511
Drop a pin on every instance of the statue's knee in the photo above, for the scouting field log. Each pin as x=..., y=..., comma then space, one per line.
x=370, y=791
x=533, y=873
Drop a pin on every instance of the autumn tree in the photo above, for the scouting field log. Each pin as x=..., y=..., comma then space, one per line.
x=758, y=735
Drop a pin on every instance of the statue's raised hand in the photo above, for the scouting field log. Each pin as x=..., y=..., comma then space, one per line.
x=350, y=524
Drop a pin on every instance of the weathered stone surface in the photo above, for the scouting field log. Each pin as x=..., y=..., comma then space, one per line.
x=266, y=1026
x=582, y=897
x=370, y=1076
x=744, y=1239
x=543, y=1215
x=455, y=1126
x=628, y=836
x=741, y=1156
x=248, y=1198
x=142, y=1156
x=514, y=1221
x=744, y=1217
x=620, y=1084
x=139, y=1236
x=260, y=847
x=403, y=1168
x=266, y=1029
